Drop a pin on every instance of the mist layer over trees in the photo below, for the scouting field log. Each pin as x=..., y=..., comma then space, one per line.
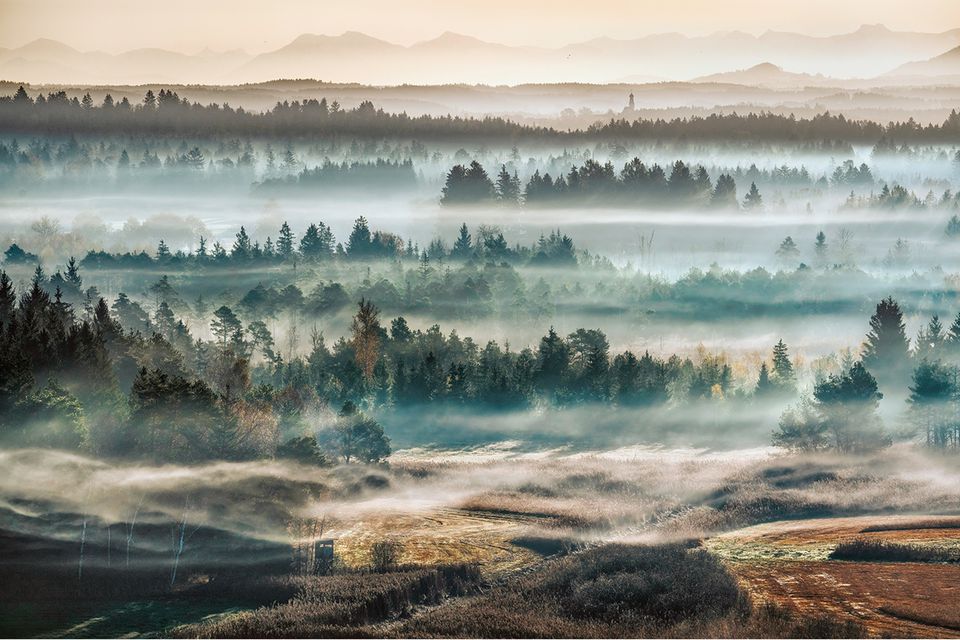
x=272, y=329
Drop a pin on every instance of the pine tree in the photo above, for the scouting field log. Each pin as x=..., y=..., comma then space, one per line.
x=463, y=247
x=366, y=337
x=21, y=97
x=820, y=247
x=783, y=373
x=39, y=277
x=930, y=341
x=508, y=187
x=163, y=251
x=225, y=324
x=764, y=384
x=952, y=340
x=788, y=249
x=73, y=273
x=310, y=246
x=701, y=182
x=164, y=320
x=285, y=241
x=847, y=405
x=886, y=352
x=454, y=189
x=553, y=360
x=289, y=159
x=753, y=199
x=359, y=244
x=242, y=249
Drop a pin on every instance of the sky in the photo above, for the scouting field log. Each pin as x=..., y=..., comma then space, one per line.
x=256, y=26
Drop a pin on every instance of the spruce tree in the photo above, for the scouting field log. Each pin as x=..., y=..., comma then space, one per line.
x=783, y=373
x=508, y=187
x=820, y=246
x=454, y=189
x=753, y=199
x=788, y=250
x=242, y=249
x=724, y=194
x=952, y=339
x=73, y=273
x=310, y=247
x=360, y=242
x=764, y=384
x=463, y=247
x=285, y=241
x=930, y=341
x=886, y=352
x=553, y=359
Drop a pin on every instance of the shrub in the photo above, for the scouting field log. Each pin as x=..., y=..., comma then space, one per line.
x=882, y=551
x=665, y=583
x=385, y=555
x=336, y=606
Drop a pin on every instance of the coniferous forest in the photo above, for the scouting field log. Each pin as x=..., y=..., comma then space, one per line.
x=670, y=354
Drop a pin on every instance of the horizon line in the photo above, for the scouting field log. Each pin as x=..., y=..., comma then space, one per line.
x=348, y=32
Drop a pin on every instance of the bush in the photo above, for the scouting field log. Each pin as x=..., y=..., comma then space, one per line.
x=665, y=583
x=611, y=591
x=883, y=551
x=385, y=555
x=336, y=606
x=304, y=450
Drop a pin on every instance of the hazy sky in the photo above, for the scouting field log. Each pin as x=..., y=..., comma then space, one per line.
x=190, y=25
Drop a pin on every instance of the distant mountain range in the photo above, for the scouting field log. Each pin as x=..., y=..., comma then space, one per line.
x=946, y=66
x=875, y=52
x=767, y=74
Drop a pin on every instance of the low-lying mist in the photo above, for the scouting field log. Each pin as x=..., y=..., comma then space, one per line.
x=649, y=491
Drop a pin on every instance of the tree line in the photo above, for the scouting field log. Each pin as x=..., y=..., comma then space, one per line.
x=595, y=183
x=80, y=378
x=476, y=275
x=318, y=244
x=165, y=113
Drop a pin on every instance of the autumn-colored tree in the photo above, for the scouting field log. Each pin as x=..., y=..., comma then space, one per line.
x=366, y=337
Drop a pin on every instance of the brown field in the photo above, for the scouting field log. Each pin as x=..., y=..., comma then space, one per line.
x=444, y=536
x=785, y=563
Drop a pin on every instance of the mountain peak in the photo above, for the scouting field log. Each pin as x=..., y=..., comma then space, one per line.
x=357, y=36
x=46, y=45
x=873, y=29
x=354, y=38
x=452, y=38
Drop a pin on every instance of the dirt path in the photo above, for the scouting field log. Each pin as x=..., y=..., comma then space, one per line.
x=787, y=563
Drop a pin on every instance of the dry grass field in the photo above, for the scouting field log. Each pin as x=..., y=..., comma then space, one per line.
x=526, y=547
x=786, y=564
x=444, y=536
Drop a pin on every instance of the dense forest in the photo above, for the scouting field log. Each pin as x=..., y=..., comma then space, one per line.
x=598, y=183
x=165, y=113
x=477, y=274
x=122, y=379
